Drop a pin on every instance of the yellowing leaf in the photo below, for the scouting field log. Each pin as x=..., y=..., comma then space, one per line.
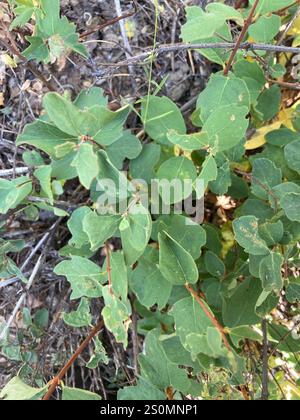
x=130, y=28
x=8, y=61
x=284, y=117
x=295, y=29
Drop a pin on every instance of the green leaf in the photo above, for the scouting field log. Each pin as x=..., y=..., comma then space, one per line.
x=116, y=315
x=135, y=229
x=75, y=225
x=270, y=272
x=74, y=394
x=87, y=164
x=46, y=137
x=178, y=169
x=201, y=25
x=99, y=355
x=192, y=334
x=239, y=308
x=81, y=317
x=190, y=235
x=17, y=390
x=128, y=146
x=271, y=233
x=65, y=115
x=91, y=97
x=214, y=265
x=291, y=203
x=119, y=275
x=12, y=193
x=143, y=391
x=268, y=104
x=159, y=115
x=265, y=29
x=265, y=176
x=268, y=6
x=158, y=369
x=175, y=263
x=43, y=174
x=99, y=228
x=148, y=283
x=209, y=170
x=223, y=181
x=226, y=127
x=222, y=91
x=143, y=166
x=246, y=233
x=293, y=292
x=189, y=142
x=292, y=155
x=85, y=277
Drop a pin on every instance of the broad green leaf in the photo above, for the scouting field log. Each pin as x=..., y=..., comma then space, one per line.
x=108, y=125
x=184, y=311
x=116, y=315
x=252, y=74
x=135, y=229
x=265, y=176
x=271, y=233
x=65, y=115
x=43, y=174
x=143, y=391
x=191, y=236
x=246, y=233
x=81, y=317
x=291, y=203
x=148, y=283
x=75, y=394
x=222, y=91
x=293, y=292
x=239, y=308
x=84, y=275
x=292, y=155
x=265, y=28
x=90, y=97
x=268, y=6
x=46, y=137
x=87, y=164
x=143, y=166
x=159, y=115
x=17, y=390
x=175, y=263
x=181, y=171
x=209, y=170
x=12, y=193
x=128, y=146
x=194, y=141
x=270, y=272
x=221, y=184
x=157, y=368
x=99, y=228
x=75, y=225
x=119, y=275
x=199, y=24
x=214, y=265
x=226, y=127
x=268, y=103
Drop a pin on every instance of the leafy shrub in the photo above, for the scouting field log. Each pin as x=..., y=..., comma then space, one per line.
x=201, y=291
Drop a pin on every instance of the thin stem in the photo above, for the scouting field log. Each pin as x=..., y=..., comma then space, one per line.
x=209, y=315
x=265, y=364
x=56, y=381
x=241, y=37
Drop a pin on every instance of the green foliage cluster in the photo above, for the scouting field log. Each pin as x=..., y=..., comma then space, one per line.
x=241, y=268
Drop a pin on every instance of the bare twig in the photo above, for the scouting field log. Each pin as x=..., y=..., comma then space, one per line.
x=9, y=172
x=265, y=362
x=166, y=48
x=56, y=381
x=241, y=37
x=288, y=26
